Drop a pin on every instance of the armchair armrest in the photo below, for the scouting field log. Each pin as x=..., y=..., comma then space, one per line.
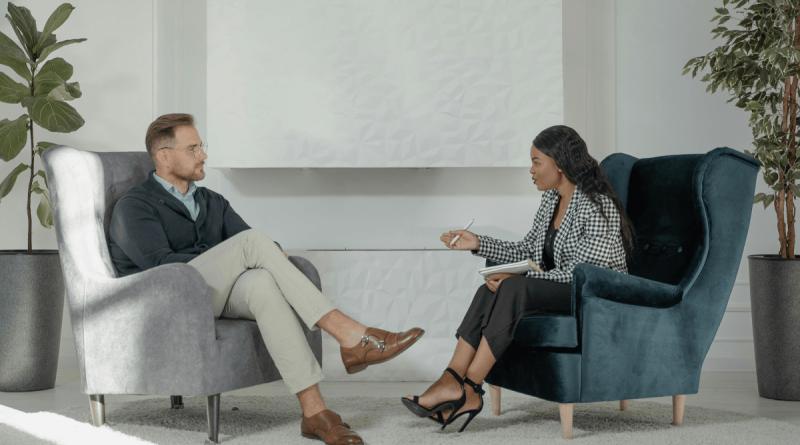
x=590, y=281
x=159, y=321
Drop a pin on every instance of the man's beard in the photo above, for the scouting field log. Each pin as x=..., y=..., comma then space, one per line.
x=192, y=177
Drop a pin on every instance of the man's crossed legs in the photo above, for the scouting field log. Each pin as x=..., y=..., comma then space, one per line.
x=250, y=277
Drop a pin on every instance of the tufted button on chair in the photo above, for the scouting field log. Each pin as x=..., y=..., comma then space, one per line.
x=646, y=333
x=152, y=332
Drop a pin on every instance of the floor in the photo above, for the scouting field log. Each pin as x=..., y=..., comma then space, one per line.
x=731, y=391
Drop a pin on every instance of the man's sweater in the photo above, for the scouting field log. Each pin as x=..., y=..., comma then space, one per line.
x=150, y=227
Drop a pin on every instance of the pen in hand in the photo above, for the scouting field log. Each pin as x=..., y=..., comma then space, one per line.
x=459, y=236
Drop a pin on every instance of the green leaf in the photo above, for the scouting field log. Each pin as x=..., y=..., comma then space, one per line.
x=47, y=82
x=8, y=183
x=57, y=18
x=15, y=59
x=12, y=92
x=768, y=200
x=42, y=146
x=45, y=211
x=35, y=188
x=67, y=91
x=53, y=115
x=6, y=41
x=13, y=135
x=759, y=197
x=795, y=189
x=58, y=66
x=24, y=25
x=44, y=176
x=49, y=40
x=49, y=50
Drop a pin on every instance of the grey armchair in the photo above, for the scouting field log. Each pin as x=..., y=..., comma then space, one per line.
x=153, y=332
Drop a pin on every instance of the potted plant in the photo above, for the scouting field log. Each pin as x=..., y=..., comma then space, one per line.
x=758, y=64
x=31, y=284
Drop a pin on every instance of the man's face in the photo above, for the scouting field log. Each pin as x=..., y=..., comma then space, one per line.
x=182, y=163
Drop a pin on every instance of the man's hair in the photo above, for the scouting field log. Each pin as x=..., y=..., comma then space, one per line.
x=162, y=130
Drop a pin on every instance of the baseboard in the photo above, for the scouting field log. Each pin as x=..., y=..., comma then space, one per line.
x=729, y=364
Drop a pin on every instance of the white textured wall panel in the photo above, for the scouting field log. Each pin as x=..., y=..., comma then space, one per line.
x=398, y=290
x=378, y=83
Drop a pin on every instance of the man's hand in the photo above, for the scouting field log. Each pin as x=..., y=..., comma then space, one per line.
x=493, y=281
x=468, y=240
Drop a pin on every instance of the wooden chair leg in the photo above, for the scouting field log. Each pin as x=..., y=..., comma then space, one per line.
x=494, y=392
x=566, y=419
x=678, y=403
x=97, y=403
x=623, y=405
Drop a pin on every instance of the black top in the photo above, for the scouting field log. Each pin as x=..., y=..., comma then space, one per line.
x=549, y=240
x=150, y=227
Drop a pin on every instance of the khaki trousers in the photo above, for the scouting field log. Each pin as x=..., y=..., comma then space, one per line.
x=249, y=277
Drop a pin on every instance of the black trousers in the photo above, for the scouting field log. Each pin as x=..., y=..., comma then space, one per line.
x=495, y=315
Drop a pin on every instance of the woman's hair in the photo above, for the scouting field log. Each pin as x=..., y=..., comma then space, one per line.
x=568, y=149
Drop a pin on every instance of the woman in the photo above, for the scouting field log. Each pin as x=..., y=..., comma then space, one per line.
x=581, y=220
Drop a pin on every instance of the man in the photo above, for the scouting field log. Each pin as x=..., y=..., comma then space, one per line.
x=168, y=219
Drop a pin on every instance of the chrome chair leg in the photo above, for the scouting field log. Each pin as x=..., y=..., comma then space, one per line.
x=97, y=403
x=176, y=402
x=212, y=409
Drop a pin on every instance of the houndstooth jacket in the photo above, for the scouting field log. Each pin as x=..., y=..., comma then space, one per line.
x=583, y=237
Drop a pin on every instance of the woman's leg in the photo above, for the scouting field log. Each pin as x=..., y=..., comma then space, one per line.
x=447, y=388
x=488, y=329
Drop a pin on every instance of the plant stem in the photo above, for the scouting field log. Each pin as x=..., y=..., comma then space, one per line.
x=30, y=181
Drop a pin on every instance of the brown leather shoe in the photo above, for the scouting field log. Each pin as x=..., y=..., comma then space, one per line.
x=378, y=346
x=328, y=427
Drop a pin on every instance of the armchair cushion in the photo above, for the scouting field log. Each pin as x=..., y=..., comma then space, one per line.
x=547, y=330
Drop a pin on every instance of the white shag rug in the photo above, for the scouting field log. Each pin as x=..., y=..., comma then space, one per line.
x=276, y=419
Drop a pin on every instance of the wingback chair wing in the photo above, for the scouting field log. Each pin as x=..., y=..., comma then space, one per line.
x=645, y=334
x=152, y=332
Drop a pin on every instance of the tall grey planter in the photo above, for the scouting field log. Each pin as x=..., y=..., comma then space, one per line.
x=31, y=310
x=775, y=303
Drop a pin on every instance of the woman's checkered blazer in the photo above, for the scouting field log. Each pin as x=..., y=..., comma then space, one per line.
x=583, y=237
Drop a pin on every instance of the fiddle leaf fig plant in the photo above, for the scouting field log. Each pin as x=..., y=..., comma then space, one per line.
x=758, y=64
x=44, y=92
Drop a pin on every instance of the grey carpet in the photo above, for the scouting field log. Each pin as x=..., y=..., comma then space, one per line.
x=272, y=420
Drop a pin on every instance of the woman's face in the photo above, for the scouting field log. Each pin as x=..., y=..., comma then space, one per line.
x=544, y=170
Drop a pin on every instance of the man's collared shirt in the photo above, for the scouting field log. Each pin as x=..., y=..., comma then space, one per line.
x=187, y=200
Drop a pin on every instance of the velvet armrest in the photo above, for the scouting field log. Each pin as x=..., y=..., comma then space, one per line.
x=162, y=316
x=591, y=281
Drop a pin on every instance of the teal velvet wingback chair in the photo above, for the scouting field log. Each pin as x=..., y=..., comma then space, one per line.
x=645, y=334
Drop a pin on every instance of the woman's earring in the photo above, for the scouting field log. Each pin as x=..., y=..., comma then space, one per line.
x=559, y=170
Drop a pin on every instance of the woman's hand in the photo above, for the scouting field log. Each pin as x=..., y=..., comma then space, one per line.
x=468, y=240
x=493, y=281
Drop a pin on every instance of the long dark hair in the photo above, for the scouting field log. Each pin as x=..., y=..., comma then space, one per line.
x=568, y=149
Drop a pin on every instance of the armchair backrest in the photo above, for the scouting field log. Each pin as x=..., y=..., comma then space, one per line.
x=657, y=193
x=84, y=188
x=667, y=199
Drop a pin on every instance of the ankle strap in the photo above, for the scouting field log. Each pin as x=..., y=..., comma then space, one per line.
x=478, y=388
x=455, y=374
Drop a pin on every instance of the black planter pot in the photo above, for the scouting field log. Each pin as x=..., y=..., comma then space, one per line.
x=775, y=308
x=31, y=309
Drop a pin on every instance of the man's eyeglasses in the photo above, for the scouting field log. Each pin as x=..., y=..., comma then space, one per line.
x=202, y=147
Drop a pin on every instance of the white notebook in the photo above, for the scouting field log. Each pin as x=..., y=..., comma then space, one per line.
x=520, y=268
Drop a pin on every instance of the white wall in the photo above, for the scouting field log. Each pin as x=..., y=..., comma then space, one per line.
x=660, y=112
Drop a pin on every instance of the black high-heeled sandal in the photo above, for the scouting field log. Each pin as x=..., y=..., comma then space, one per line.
x=452, y=405
x=473, y=412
